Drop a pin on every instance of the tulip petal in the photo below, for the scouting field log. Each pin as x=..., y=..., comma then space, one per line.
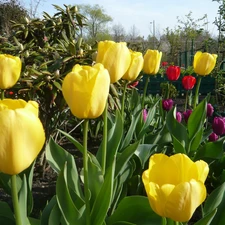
x=203, y=170
x=184, y=199
x=22, y=137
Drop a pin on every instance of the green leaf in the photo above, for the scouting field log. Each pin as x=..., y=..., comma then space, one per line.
x=214, y=199
x=196, y=119
x=196, y=141
x=95, y=177
x=136, y=210
x=22, y=196
x=143, y=153
x=206, y=220
x=150, y=117
x=56, y=157
x=55, y=216
x=114, y=138
x=67, y=207
x=33, y=221
x=134, y=119
x=102, y=202
x=47, y=211
x=178, y=132
x=6, y=215
x=73, y=141
x=124, y=157
x=212, y=150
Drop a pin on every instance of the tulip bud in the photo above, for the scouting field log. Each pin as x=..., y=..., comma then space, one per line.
x=22, y=135
x=135, y=67
x=187, y=114
x=86, y=89
x=173, y=73
x=213, y=137
x=115, y=57
x=188, y=82
x=167, y=104
x=145, y=114
x=152, y=59
x=218, y=125
x=210, y=110
x=10, y=69
x=178, y=116
x=204, y=63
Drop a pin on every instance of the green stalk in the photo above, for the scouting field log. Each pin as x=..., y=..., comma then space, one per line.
x=197, y=91
x=104, y=150
x=145, y=91
x=123, y=99
x=85, y=165
x=15, y=200
x=2, y=94
x=186, y=101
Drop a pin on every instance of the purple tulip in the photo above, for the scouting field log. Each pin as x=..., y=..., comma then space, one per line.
x=213, y=137
x=179, y=116
x=167, y=104
x=210, y=110
x=218, y=125
x=187, y=114
x=145, y=114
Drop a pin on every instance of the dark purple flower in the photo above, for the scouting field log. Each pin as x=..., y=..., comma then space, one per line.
x=210, y=110
x=167, y=104
x=218, y=125
x=179, y=116
x=187, y=114
x=213, y=137
x=145, y=114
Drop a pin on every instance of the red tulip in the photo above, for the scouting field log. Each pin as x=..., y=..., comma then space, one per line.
x=173, y=72
x=188, y=82
x=164, y=64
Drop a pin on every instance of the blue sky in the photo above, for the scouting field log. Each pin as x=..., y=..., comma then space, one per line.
x=142, y=12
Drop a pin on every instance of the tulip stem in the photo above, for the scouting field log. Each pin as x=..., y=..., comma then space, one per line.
x=85, y=165
x=123, y=100
x=197, y=91
x=145, y=91
x=2, y=94
x=15, y=200
x=186, y=101
x=104, y=150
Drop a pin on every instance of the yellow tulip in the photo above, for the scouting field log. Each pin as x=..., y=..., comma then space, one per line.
x=204, y=63
x=175, y=185
x=10, y=69
x=152, y=59
x=115, y=57
x=135, y=67
x=21, y=135
x=86, y=89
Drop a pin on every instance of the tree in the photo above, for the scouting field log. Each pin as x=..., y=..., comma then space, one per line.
x=34, y=4
x=118, y=32
x=10, y=11
x=97, y=21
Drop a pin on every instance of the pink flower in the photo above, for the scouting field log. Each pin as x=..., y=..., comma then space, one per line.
x=145, y=114
x=210, y=110
x=213, y=137
x=187, y=114
x=167, y=104
x=178, y=116
x=218, y=125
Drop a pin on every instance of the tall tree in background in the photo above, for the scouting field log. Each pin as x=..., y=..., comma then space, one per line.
x=118, y=32
x=220, y=23
x=33, y=9
x=97, y=21
x=10, y=10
